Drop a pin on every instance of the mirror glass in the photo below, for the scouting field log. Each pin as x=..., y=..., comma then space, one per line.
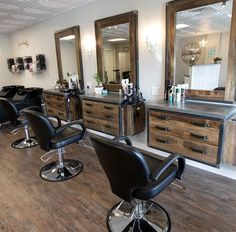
x=116, y=53
x=201, y=46
x=116, y=46
x=69, y=58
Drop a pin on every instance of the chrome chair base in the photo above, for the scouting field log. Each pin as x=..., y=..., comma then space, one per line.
x=53, y=171
x=146, y=216
x=24, y=143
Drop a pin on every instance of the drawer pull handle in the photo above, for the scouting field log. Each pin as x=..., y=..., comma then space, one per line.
x=161, y=117
x=88, y=104
x=108, y=126
x=162, y=141
x=201, y=124
x=88, y=121
x=203, y=137
x=108, y=107
x=108, y=116
x=162, y=128
x=89, y=112
x=201, y=151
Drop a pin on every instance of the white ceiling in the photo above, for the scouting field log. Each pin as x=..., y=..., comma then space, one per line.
x=17, y=14
x=205, y=20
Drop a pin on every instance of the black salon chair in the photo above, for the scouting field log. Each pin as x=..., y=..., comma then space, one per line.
x=51, y=138
x=13, y=115
x=136, y=178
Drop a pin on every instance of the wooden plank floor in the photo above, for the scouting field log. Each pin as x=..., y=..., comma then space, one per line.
x=206, y=203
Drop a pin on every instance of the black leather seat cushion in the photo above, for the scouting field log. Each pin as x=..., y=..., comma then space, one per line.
x=66, y=137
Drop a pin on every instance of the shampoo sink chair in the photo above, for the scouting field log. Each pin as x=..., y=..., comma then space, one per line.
x=52, y=138
x=136, y=178
x=13, y=115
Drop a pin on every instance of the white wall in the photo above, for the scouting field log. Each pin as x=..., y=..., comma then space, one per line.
x=151, y=17
x=5, y=53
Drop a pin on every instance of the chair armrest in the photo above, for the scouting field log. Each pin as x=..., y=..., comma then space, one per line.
x=60, y=129
x=57, y=118
x=125, y=138
x=34, y=108
x=167, y=162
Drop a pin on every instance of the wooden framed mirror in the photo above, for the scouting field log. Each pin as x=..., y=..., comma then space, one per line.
x=69, y=59
x=216, y=35
x=116, y=46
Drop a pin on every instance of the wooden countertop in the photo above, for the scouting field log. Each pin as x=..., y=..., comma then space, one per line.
x=202, y=109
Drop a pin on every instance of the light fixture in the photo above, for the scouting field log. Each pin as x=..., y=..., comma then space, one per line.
x=181, y=25
x=69, y=37
x=203, y=42
x=23, y=42
x=151, y=45
x=116, y=39
x=223, y=4
x=88, y=45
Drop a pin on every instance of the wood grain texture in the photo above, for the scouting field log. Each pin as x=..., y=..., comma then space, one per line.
x=171, y=9
x=230, y=143
x=66, y=32
x=195, y=138
x=200, y=202
x=132, y=19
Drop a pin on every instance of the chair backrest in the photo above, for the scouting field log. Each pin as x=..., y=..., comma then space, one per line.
x=124, y=166
x=10, y=110
x=43, y=129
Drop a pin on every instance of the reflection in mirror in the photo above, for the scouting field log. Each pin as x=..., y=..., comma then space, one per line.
x=116, y=40
x=69, y=56
x=201, y=46
x=116, y=53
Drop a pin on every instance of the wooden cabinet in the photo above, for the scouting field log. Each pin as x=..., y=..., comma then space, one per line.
x=63, y=105
x=102, y=117
x=194, y=137
x=114, y=118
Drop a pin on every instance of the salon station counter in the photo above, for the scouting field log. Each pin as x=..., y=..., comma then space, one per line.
x=195, y=129
x=112, y=115
x=64, y=104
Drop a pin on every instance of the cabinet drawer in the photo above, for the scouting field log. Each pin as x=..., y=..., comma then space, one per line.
x=185, y=127
x=191, y=149
x=54, y=111
x=101, y=110
x=102, y=125
x=185, y=131
x=195, y=122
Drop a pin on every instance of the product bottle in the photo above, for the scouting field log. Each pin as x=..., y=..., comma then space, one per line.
x=170, y=96
x=178, y=95
x=169, y=86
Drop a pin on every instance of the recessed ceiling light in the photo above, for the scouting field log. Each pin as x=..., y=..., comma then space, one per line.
x=181, y=25
x=69, y=37
x=117, y=39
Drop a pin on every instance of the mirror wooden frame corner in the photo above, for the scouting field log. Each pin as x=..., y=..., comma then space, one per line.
x=75, y=30
x=131, y=18
x=229, y=95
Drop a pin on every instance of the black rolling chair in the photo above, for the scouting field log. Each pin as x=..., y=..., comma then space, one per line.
x=136, y=179
x=12, y=114
x=52, y=138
